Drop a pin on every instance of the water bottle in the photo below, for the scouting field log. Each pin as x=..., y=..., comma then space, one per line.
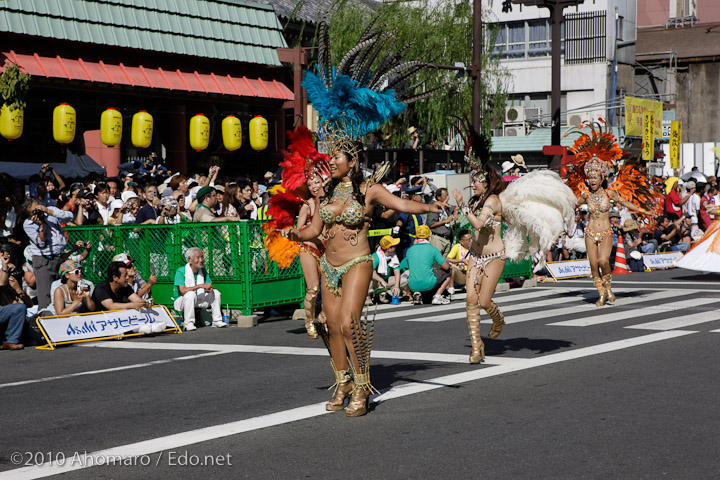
x=395, y=300
x=226, y=315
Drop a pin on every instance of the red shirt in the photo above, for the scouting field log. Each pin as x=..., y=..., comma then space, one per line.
x=672, y=203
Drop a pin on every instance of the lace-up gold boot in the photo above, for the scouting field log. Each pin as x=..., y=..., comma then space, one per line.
x=601, y=290
x=498, y=320
x=343, y=387
x=607, y=283
x=311, y=294
x=477, y=354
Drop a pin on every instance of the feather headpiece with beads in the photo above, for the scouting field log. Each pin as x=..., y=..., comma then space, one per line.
x=477, y=149
x=371, y=84
x=595, y=152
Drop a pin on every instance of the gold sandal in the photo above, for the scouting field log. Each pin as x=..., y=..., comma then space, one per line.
x=343, y=387
x=477, y=354
x=498, y=320
x=311, y=294
x=607, y=283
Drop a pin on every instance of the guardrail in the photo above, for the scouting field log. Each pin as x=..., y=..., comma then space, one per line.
x=235, y=259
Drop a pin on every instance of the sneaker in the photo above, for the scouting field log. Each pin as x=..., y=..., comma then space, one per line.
x=417, y=298
x=440, y=300
x=451, y=290
x=219, y=324
x=189, y=327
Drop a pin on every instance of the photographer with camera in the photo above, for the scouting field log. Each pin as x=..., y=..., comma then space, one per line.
x=47, y=190
x=13, y=302
x=169, y=214
x=47, y=241
x=73, y=295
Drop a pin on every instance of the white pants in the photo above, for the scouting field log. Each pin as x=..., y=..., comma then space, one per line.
x=189, y=302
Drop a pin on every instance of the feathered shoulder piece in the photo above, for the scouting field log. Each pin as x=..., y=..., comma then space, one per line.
x=371, y=84
x=634, y=185
x=536, y=207
x=477, y=148
x=596, y=153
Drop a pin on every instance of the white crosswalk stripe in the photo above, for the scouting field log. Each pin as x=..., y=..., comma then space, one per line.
x=551, y=304
x=616, y=315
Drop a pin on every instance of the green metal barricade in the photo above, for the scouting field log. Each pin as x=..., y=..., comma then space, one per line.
x=235, y=259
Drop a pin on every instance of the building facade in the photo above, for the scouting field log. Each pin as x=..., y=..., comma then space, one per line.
x=172, y=59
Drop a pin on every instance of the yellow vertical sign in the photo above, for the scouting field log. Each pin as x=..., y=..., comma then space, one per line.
x=675, y=141
x=648, y=136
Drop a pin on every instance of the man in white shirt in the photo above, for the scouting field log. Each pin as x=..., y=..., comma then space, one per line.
x=102, y=204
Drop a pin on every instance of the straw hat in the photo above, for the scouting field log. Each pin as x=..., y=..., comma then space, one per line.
x=629, y=225
x=518, y=159
x=507, y=166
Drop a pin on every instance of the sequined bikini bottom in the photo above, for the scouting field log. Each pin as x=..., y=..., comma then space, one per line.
x=333, y=275
x=598, y=237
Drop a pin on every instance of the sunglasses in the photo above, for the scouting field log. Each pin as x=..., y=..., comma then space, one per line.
x=77, y=271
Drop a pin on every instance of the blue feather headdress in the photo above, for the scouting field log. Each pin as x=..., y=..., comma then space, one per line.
x=351, y=99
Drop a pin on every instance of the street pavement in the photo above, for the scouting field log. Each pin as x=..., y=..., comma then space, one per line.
x=568, y=391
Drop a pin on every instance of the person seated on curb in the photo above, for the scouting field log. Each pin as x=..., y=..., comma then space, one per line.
x=73, y=295
x=115, y=293
x=420, y=259
x=135, y=280
x=386, y=271
x=459, y=257
x=205, y=210
x=12, y=301
x=194, y=289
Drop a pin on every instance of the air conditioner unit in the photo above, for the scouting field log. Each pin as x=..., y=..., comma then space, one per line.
x=514, y=114
x=514, y=130
x=497, y=132
x=532, y=113
x=576, y=119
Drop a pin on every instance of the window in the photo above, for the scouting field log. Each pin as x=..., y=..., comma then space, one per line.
x=526, y=39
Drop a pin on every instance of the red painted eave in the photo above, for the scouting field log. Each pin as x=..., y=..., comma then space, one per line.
x=149, y=77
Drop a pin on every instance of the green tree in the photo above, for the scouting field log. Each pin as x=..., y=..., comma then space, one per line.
x=439, y=33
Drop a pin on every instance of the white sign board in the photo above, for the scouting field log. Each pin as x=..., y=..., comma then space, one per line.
x=111, y=324
x=569, y=269
x=661, y=260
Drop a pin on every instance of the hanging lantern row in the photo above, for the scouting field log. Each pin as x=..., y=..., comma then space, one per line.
x=111, y=126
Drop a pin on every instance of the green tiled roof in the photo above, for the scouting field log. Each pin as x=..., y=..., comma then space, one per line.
x=535, y=141
x=224, y=29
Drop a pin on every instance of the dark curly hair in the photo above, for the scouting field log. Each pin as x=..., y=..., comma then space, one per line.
x=356, y=177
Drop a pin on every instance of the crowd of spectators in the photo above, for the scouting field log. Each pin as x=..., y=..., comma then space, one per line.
x=419, y=258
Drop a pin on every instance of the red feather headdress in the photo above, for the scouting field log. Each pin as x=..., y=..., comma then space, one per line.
x=302, y=162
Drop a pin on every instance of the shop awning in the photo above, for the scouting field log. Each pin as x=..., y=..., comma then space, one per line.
x=149, y=77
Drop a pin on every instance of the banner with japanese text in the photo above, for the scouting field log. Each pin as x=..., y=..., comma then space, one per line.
x=111, y=324
x=661, y=260
x=648, y=144
x=675, y=141
x=569, y=269
x=635, y=109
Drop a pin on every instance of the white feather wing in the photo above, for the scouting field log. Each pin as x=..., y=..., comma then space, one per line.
x=537, y=207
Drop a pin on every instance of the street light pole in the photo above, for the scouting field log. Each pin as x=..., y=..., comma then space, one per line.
x=476, y=68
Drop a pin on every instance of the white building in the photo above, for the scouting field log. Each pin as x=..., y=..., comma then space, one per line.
x=598, y=35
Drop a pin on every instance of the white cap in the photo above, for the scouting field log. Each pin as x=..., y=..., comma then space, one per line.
x=125, y=196
x=115, y=204
x=507, y=166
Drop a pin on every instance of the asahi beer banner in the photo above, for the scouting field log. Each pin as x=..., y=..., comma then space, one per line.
x=569, y=269
x=661, y=260
x=116, y=323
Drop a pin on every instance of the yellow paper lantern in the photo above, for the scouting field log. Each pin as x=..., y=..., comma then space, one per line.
x=199, y=132
x=258, y=133
x=142, y=129
x=231, y=133
x=11, y=123
x=111, y=127
x=64, y=121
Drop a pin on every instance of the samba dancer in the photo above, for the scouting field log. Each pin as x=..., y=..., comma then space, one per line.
x=353, y=100
x=536, y=207
x=310, y=252
x=595, y=155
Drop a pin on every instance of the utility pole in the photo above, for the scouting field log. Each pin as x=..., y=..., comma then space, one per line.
x=476, y=67
x=556, y=8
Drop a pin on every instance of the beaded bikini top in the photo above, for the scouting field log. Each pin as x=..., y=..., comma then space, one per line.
x=352, y=215
x=598, y=203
